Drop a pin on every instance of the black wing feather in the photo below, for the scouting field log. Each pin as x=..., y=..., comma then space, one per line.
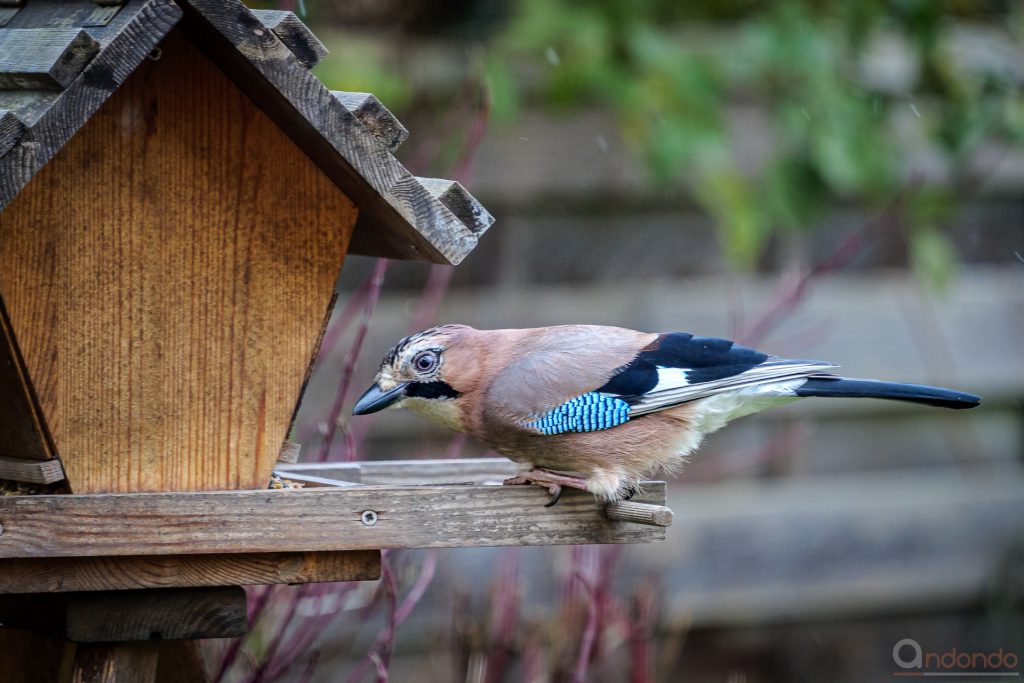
x=706, y=359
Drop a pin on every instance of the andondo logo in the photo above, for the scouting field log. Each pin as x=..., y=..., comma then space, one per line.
x=914, y=660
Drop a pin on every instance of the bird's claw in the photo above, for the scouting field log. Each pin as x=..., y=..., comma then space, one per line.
x=556, y=494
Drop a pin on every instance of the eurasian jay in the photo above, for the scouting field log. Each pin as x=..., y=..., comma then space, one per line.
x=598, y=408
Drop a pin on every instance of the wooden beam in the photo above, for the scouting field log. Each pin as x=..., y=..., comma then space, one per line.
x=73, y=574
x=106, y=616
x=353, y=518
x=295, y=35
x=43, y=58
x=377, y=118
x=32, y=471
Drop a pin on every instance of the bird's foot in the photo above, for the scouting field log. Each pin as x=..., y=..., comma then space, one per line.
x=552, y=481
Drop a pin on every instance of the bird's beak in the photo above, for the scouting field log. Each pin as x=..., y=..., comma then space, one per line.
x=374, y=399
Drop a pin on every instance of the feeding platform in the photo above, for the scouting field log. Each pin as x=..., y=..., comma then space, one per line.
x=177, y=195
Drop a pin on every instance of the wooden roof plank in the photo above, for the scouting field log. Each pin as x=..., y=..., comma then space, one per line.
x=43, y=58
x=377, y=118
x=310, y=519
x=460, y=202
x=296, y=36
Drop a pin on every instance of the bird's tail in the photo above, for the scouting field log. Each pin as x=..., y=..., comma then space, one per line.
x=870, y=388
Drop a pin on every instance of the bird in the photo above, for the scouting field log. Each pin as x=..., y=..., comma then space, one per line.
x=600, y=408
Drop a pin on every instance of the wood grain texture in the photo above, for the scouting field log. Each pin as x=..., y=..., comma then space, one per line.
x=32, y=471
x=43, y=58
x=310, y=519
x=62, y=575
x=398, y=217
x=200, y=283
x=296, y=36
x=377, y=118
x=23, y=432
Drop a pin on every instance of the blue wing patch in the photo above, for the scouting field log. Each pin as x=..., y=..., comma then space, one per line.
x=587, y=413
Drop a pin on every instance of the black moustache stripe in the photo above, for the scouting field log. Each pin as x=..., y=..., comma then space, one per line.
x=431, y=390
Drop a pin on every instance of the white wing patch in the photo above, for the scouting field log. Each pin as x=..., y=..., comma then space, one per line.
x=673, y=388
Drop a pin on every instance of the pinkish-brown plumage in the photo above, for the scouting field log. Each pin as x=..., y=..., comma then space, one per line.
x=497, y=384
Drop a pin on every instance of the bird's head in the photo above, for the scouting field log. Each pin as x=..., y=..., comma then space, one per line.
x=417, y=373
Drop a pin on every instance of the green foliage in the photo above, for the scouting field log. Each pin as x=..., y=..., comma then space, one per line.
x=672, y=72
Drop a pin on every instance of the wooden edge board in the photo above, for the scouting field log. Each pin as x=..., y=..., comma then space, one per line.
x=389, y=472
x=32, y=471
x=71, y=574
x=352, y=518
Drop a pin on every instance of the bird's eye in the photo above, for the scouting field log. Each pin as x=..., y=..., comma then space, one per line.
x=425, y=361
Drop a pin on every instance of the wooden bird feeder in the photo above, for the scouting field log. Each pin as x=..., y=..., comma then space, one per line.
x=178, y=193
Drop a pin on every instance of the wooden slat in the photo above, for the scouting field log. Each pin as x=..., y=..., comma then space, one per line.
x=377, y=118
x=289, y=452
x=460, y=202
x=61, y=575
x=296, y=36
x=397, y=217
x=43, y=58
x=181, y=367
x=11, y=130
x=154, y=614
x=32, y=471
x=390, y=472
x=311, y=519
x=22, y=430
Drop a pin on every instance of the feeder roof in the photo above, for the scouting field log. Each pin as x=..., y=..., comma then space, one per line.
x=61, y=59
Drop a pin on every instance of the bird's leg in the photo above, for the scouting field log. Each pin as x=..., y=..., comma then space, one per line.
x=552, y=481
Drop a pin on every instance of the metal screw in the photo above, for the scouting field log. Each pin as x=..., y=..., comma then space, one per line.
x=155, y=54
x=369, y=517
